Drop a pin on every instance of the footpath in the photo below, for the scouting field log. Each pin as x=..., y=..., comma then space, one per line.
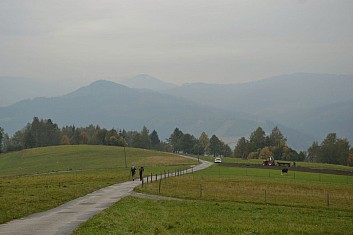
x=67, y=217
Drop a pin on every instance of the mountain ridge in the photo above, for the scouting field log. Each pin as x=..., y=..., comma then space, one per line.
x=145, y=81
x=305, y=112
x=117, y=106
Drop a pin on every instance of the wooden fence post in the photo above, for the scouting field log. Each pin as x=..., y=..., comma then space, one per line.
x=159, y=187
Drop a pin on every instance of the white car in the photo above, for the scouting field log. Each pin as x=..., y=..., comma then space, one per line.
x=218, y=160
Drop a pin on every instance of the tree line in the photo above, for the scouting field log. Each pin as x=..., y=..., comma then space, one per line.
x=332, y=150
x=43, y=132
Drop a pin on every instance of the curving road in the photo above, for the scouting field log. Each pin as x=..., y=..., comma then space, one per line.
x=65, y=218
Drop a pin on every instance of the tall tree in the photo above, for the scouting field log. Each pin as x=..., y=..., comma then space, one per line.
x=187, y=143
x=242, y=149
x=327, y=148
x=100, y=135
x=215, y=146
x=226, y=150
x=175, y=140
x=257, y=139
x=333, y=150
x=1, y=138
x=17, y=141
x=155, y=142
x=313, y=152
x=203, y=143
x=145, y=138
x=276, y=138
x=77, y=138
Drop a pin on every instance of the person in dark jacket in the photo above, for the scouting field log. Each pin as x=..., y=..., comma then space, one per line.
x=141, y=172
x=133, y=172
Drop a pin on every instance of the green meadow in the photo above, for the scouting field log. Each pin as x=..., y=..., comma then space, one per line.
x=231, y=200
x=39, y=179
x=217, y=200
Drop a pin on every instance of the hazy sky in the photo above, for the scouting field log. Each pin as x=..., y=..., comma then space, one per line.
x=225, y=41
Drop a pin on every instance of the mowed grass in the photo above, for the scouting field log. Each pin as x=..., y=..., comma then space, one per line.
x=38, y=179
x=143, y=216
x=81, y=158
x=227, y=200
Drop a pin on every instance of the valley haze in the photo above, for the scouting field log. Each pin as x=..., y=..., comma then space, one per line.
x=306, y=107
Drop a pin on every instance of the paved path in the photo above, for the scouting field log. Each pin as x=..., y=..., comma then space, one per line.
x=65, y=218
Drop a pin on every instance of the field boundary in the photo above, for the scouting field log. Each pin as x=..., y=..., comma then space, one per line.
x=292, y=168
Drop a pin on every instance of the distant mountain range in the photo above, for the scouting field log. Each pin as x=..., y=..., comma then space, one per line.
x=314, y=104
x=113, y=105
x=306, y=107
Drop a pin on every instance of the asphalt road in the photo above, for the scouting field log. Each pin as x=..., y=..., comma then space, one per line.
x=67, y=217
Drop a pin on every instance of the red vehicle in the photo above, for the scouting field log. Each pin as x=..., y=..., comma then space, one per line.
x=270, y=161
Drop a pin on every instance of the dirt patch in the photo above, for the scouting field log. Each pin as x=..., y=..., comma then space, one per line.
x=292, y=168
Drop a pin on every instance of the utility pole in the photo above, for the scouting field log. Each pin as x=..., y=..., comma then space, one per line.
x=125, y=151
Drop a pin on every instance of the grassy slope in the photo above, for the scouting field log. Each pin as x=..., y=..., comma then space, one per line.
x=39, y=179
x=82, y=157
x=222, y=200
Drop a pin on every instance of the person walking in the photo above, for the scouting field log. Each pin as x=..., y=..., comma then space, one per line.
x=133, y=172
x=141, y=172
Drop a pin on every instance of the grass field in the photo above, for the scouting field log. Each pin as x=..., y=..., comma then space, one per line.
x=38, y=179
x=143, y=216
x=303, y=164
x=227, y=200
x=218, y=200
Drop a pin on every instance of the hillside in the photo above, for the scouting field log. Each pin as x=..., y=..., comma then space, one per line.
x=112, y=105
x=274, y=95
x=306, y=107
x=311, y=103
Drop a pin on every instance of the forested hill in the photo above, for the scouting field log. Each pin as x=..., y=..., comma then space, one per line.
x=112, y=105
x=306, y=107
x=315, y=104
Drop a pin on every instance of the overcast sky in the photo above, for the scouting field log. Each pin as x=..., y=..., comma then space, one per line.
x=179, y=41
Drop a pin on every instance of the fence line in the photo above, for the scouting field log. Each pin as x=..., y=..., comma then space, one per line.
x=267, y=196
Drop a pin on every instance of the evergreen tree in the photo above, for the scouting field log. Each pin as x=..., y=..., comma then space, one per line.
x=175, y=140
x=257, y=139
x=187, y=143
x=333, y=150
x=276, y=138
x=155, y=142
x=242, y=149
x=145, y=138
x=215, y=146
